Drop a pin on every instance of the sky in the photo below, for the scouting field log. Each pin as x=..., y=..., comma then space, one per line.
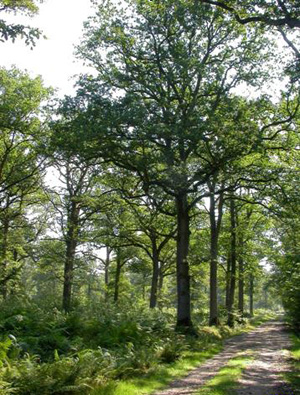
x=62, y=22
x=53, y=58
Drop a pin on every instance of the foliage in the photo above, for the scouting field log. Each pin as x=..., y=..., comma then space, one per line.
x=13, y=31
x=151, y=147
x=51, y=352
x=123, y=344
x=293, y=376
x=21, y=168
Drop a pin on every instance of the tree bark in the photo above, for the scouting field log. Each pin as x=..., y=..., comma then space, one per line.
x=230, y=320
x=251, y=290
x=228, y=276
x=213, y=300
x=117, y=276
x=155, y=274
x=241, y=273
x=182, y=267
x=160, y=278
x=215, y=225
x=71, y=244
x=241, y=286
x=106, y=272
x=160, y=284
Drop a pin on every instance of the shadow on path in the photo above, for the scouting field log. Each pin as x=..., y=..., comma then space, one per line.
x=261, y=377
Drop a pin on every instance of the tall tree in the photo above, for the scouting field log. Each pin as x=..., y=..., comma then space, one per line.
x=175, y=63
x=150, y=224
x=21, y=134
x=77, y=180
x=215, y=216
x=233, y=261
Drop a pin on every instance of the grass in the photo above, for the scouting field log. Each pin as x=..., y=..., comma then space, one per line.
x=162, y=375
x=226, y=379
x=259, y=319
x=294, y=377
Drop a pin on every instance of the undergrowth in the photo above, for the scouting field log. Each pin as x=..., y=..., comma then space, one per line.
x=115, y=350
x=293, y=377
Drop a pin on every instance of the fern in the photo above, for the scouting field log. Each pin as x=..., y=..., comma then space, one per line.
x=5, y=344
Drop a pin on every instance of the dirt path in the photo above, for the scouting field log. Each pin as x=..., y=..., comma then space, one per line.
x=262, y=377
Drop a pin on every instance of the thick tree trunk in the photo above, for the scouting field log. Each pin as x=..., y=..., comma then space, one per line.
x=182, y=269
x=160, y=278
x=160, y=284
x=251, y=290
x=155, y=274
x=71, y=244
x=230, y=320
x=213, y=304
x=117, y=276
x=68, y=274
x=215, y=226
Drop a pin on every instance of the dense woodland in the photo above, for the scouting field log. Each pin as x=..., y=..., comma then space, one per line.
x=158, y=200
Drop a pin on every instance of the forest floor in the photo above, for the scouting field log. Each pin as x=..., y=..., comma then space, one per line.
x=268, y=360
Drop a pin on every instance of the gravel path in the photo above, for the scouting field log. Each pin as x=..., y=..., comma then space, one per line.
x=262, y=376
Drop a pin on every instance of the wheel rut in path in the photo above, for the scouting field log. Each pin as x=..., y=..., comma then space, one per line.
x=261, y=377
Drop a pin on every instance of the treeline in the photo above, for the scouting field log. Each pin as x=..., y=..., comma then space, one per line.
x=158, y=182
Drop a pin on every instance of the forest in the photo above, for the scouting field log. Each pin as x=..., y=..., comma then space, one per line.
x=154, y=213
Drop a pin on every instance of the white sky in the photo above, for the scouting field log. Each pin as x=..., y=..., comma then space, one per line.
x=62, y=22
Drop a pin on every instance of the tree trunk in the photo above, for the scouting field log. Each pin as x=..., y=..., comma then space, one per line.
x=266, y=298
x=106, y=272
x=240, y=241
x=117, y=276
x=213, y=300
x=241, y=286
x=182, y=268
x=251, y=290
x=4, y=258
x=71, y=244
x=215, y=226
x=144, y=287
x=230, y=320
x=160, y=284
x=228, y=277
x=68, y=275
x=155, y=274
x=160, y=278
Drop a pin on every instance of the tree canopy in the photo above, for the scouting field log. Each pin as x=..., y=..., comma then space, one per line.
x=154, y=211
x=13, y=31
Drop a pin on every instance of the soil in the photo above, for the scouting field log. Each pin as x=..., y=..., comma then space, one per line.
x=262, y=377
